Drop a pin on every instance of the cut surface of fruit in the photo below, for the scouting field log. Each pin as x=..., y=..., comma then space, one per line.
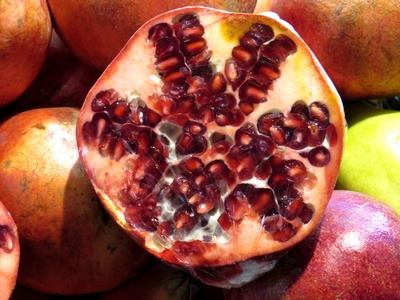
x=9, y=253
x=69, y=244
x=354, y=254
x=214, y=139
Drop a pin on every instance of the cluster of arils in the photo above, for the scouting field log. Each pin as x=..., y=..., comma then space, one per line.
x=197, y=177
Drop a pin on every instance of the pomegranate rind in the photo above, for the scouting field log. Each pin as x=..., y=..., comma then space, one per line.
x=9, y=259
x=246, y=240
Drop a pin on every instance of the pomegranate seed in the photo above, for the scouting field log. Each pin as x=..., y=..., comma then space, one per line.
x=279, y=228
x=245, y=57
x=299, y=107
x=176, y=76
x=204, y=72
x=267, y=120
x=245, y=136
x=159, y=31
x=189, y=20
x=184, y=104
x=205, y=206
x=165, y=229
x=166, y=46
x=194, y=128
x=264, y=146
x=262, y=201
x=206, y=114
x=306, y=214
x=250, y=40
x=246, y=167
x=293, y=209
x=152, y=118
x=253, y=92
x=266, y=71
x=234, y=74
x=102, y=100
x=195, y=198
x=237, y=117
x=199, y=180
x=293, y=120
x=217, y=83
x=315, y=133
x=185, y=218
x=263, y=170
x=217, y=137
x=277, y=180
x=119, y=111
x=225, y=221
x=236, y=205
x=295, y=170
x=222, y=147
x=190, y=32
x=331, y=135
x=262, y=31
x=319, y=111
x=279, y=49
x=217, y=169
x=181, y=185
x=169, y=63
x=192, y=164
x=319, y=156
x=222, y=117
x=278, y=134
x=187, y=144
x=145, y=138
x=298, y=140
x=191, y=48
x=200, y=60
x=246, y=107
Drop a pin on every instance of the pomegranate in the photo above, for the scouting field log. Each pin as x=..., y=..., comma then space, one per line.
x=9, y=253
x=160, y=282
x=69, y=243
x=62, y=81
x=214, y=139
x=354, y=254
x=97, y=30
x=25, y=34
x=356, y=41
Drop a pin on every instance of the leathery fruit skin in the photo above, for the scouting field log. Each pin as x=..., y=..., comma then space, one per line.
x=355, y=41
x=69, y=244
x=214, y=139
x=24, y=36
x=354, y=254
x=97, y=30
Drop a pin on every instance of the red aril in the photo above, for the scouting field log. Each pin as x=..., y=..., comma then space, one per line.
x=211, y=189
x=9, y=253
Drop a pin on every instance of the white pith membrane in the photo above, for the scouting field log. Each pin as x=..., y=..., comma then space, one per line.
x=9, y=253
x=133, y=75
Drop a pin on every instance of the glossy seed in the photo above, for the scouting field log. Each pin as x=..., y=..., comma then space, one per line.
x=234, y=74
x=159, y=31
x=279, y=228
x=319, y=156
x=192, y=48
x=102, y=100
x=262, y=201
x=319, y=111
x=244, y=57
x=217, y=83
x=267, y=120
x=253, y=92
x=263, y=170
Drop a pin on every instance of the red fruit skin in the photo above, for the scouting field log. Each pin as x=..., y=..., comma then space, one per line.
x=354, y=254
x=25, y=29
x=97, y=30
x=161, y=282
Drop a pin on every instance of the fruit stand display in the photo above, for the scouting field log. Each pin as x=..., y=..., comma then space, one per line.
x=199, y=149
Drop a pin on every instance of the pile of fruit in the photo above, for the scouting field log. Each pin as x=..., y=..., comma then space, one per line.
x=233, y=150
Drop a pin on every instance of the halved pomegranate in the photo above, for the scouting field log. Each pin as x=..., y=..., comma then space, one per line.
x=214, y=139
x=9, y=253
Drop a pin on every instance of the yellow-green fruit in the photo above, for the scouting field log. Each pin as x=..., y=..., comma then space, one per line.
x=371, y=159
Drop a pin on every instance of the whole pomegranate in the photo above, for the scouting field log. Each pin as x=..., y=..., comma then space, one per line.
x=214, y=138
x=356, y=41
x=354, y=254
x=69, y=244
x=97, y=30
x=9, y=253
x=24, y=36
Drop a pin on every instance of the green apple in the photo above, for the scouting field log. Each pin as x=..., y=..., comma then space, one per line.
x=371, y=159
